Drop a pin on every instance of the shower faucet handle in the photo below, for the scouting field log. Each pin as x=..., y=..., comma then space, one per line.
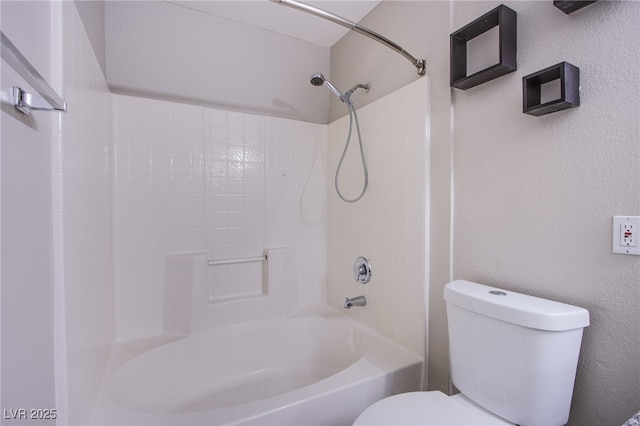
x=362, y=269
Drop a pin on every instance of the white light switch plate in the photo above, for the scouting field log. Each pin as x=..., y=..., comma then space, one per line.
x=625, y=234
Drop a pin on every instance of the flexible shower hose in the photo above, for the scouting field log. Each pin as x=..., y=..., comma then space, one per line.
x=352, y=115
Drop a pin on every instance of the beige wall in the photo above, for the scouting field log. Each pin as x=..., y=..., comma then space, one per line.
x=533, y=196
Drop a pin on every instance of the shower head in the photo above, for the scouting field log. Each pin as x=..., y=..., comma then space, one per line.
x=318, y=79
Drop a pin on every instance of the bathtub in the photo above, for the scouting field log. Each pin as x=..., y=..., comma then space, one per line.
x=321, y=369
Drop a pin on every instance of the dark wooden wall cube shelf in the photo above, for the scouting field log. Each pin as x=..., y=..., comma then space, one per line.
x=569, y=76
x=501, y=16
x=570, y=6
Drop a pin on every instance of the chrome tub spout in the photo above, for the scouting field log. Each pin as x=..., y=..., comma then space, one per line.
x=356, y=301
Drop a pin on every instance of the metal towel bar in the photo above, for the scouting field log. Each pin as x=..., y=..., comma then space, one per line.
x=48, y=99
x=239, y=260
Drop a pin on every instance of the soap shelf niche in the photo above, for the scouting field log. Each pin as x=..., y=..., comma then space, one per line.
x=569, y=76
x=505, y=19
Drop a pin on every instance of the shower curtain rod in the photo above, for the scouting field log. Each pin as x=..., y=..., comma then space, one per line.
x=420, y=64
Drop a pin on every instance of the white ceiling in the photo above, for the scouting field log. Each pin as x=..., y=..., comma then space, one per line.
x=285, y=20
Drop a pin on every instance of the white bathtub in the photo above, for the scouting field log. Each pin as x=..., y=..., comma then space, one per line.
x=321, y=369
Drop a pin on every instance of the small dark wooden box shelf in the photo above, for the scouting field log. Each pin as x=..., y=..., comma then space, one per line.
x=569, y=76
x=501, y=16
x=570, y=6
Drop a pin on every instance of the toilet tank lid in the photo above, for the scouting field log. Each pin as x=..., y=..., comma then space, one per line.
x=515, y=308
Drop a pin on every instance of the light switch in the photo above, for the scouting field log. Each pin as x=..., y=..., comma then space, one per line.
x=625, y=234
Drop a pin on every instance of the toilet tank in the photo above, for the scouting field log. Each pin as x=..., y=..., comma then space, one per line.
x=513, y=354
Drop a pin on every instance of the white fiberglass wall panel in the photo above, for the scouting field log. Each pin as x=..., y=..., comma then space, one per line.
x=195, y=183
x=389, y=224
x=159, y=203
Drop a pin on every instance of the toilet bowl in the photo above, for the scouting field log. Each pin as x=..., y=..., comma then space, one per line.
x=432, y=408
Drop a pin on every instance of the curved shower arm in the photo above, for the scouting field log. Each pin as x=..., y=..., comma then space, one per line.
x=420, y=64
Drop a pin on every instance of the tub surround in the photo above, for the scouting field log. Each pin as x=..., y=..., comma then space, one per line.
x=396, y=138
x=191, y=180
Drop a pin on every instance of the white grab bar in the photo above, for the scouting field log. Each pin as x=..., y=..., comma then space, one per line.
x=212, y=262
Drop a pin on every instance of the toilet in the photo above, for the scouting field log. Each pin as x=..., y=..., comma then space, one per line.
x=513, y=358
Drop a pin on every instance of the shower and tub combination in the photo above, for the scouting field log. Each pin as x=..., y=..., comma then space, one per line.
x=315, y=366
